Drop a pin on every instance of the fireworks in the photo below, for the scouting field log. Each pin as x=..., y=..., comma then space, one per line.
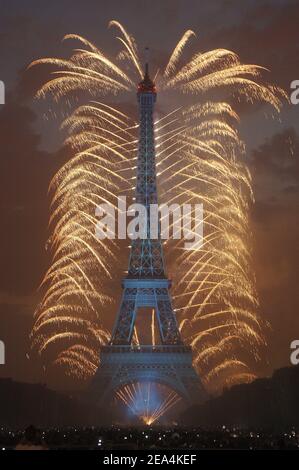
x=200, y=158
x=214, y=291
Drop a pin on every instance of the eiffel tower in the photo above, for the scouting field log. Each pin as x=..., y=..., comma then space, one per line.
x=146, y=285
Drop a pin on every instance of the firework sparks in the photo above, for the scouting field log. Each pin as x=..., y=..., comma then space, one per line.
x=200, y=159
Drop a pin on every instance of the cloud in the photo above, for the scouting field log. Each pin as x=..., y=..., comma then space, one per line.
x=24, y=175
x=275, y=169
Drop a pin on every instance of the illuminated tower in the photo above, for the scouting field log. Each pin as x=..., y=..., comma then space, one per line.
x=146, y=285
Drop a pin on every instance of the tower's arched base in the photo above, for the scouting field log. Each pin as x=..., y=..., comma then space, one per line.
x=168, y=365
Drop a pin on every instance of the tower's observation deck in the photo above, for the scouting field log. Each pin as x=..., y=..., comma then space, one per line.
x=146, y=285
x=147, y=85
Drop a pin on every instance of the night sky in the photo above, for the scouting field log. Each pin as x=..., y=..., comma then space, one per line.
x=261, y=32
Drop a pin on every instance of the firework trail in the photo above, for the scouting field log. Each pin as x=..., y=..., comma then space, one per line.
x=200, y=158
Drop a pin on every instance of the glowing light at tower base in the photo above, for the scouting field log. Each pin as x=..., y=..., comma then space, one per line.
x=148, y=401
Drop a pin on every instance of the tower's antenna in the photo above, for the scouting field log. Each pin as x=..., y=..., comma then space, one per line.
x=146, y=56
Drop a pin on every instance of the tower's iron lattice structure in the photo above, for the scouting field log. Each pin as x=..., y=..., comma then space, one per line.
x=146, y=285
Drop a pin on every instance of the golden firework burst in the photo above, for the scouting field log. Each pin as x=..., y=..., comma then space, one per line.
x=200, y=158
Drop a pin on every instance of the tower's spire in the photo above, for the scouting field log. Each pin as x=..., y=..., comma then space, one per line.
x=146, y=85
x=146, y=55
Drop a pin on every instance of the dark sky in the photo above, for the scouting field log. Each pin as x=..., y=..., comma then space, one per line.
x=261, y=32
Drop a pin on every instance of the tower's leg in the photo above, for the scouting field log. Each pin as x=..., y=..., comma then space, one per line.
x=123, y=330
x=167, y=322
